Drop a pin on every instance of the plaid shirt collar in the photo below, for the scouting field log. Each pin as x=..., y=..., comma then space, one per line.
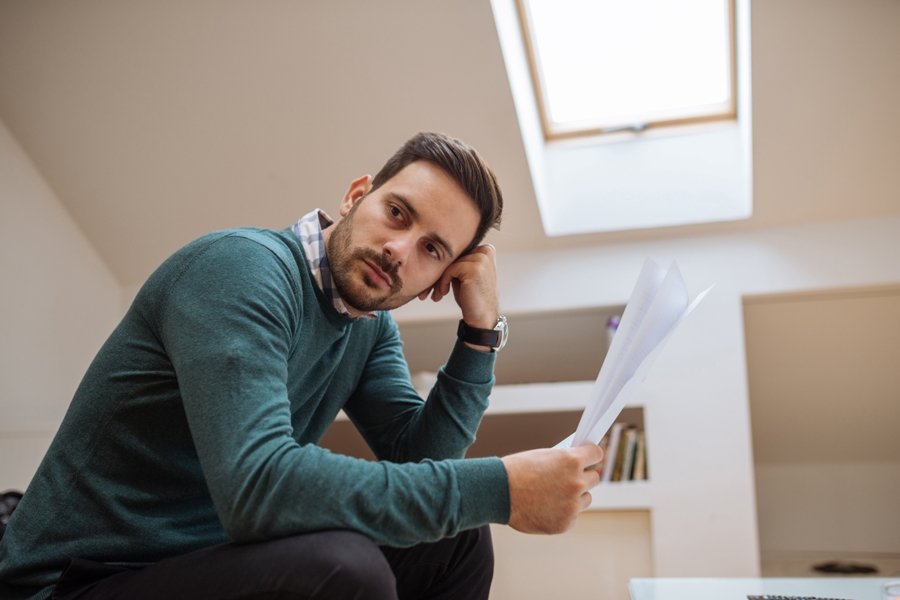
x=309, y=230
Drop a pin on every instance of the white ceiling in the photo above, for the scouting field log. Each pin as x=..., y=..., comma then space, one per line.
x=155, y=122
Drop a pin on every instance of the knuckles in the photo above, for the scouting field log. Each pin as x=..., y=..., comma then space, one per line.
x=573, y=487
x=571, y=462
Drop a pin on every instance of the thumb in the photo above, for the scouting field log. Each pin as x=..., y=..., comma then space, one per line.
x=590, y=455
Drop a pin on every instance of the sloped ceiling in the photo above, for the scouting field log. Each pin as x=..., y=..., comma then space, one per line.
x=828, y=360
x=156, y=122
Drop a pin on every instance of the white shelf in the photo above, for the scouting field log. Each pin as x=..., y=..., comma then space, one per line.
x=539, y=397
x=622, y=495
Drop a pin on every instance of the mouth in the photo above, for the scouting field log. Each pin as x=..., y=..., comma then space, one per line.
x=379, y=277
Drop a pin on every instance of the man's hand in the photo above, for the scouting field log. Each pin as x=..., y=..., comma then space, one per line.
x=548, y=488
x=473, y=278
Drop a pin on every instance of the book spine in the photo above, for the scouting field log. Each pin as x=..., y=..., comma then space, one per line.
x=610, y=460
x=640, y=459
x=628, y=460
x=620, y=456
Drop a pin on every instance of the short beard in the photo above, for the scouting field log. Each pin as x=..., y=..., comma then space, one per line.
x=342, y=256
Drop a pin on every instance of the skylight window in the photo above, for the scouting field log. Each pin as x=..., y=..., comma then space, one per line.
x=606, y=65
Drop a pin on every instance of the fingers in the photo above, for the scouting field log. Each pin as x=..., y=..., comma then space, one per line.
x=487, y=249
x=442, y=286
x=585, y=500
x=474, y=283
x=588, y=457
x=473, y=265
x=590, y=454
x=549, y=487
x=591, y=478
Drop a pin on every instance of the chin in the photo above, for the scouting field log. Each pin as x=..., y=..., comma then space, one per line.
x=364, y=295
x=362, y=300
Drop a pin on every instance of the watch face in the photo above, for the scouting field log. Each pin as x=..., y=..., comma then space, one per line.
x=503, y=327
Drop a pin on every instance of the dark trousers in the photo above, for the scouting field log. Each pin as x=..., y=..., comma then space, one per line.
x=335, y=565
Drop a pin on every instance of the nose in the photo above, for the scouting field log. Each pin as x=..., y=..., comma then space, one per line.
x=398, y=248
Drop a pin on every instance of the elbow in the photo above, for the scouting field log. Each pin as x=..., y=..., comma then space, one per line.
x=244, y=513
x=241, y=527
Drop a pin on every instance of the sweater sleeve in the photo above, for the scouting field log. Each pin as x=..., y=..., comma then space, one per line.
x=227, y=326
x=394, y=420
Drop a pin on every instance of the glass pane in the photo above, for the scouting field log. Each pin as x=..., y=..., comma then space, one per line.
x=610, y=62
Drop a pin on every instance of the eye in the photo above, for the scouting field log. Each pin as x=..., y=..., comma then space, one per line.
x=432, y=250
x=395, y=212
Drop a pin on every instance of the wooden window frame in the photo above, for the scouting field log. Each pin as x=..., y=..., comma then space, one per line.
x=555, y=132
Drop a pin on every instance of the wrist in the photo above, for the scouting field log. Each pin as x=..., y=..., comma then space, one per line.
x=479, y=348
x=481, y=321
x=484, y=338
x=471, y=366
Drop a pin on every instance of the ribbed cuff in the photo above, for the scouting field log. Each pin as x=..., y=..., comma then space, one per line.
x=484, y=491
x=470, y=365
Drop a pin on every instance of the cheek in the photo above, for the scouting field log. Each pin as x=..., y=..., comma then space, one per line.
x=421, y=274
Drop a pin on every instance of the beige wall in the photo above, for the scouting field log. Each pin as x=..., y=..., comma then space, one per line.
x=58, y=302
x=824, y=384
x=593, y=560
x=822, y=509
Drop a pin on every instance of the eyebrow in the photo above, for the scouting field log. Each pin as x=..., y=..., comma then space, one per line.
x=415, y=215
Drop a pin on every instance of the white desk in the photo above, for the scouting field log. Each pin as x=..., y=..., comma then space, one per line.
x=857, y=588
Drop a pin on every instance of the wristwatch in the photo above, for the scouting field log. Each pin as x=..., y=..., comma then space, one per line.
x=494, y=338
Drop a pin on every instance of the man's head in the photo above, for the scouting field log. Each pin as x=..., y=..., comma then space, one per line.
x=431, y=203
x=462, y=163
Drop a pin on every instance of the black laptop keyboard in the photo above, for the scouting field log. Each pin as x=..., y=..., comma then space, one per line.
x=791, y=598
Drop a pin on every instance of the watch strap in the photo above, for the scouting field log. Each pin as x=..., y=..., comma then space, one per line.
x=479, y=337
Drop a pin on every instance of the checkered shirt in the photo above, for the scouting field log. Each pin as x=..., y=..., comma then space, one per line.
x=309, y=230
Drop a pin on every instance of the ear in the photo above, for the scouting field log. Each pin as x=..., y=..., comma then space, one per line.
x=358, y=189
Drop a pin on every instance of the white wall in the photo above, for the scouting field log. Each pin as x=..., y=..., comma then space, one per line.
x=58, y=303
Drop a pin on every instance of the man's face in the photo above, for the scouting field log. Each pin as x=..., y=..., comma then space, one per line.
x=395, y=242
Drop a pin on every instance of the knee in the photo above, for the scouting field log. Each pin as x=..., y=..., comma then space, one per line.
x=478, y=564
x=352, y=567
x=479, y=547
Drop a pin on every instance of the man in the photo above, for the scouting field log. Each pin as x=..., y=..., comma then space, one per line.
x=186, y=466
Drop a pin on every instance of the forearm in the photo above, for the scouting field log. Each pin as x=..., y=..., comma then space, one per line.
x=400, y=427
x=397, y=505
x=453, y=411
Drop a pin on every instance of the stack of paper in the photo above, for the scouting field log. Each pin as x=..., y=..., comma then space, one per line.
x=657, y=306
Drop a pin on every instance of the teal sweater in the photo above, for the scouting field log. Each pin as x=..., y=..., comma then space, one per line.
x=196, y=425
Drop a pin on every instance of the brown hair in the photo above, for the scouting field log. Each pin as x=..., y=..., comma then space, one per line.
x=463, y=164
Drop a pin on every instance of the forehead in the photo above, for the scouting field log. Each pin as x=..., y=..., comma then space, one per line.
x=440, y=204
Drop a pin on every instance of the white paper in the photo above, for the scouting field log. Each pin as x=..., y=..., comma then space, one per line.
x=658, y=305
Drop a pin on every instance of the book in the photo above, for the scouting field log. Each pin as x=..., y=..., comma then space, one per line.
x=612, y=449
x=628, y=446
x=640, y=459
x=630, y=452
